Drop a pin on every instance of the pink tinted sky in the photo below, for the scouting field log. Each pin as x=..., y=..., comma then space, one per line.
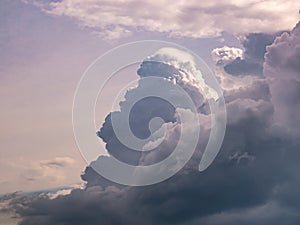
x=43, y=55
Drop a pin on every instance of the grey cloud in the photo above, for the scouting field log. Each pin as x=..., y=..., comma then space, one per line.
x=255, y=49
x=141, y=114
x=254, y=179
x=255, y=45
x=259, y=90
x=244, y=67
x=270, y=213
x=227, y=185
x=282, y=69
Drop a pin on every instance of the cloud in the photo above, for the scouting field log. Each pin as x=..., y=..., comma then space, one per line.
x=251, y=63
x=177, y=67
x=236, y=68
x=254, y=179
x=270, y=213
x=225, y=55
x=186, y=19
x=243, y=67
x=58, y=162
x=283, y=70
x=36, y=175
x=7, y=215
x=49, y=170
x=244, y=86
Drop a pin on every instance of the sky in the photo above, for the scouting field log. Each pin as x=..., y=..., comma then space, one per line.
x=252, y=47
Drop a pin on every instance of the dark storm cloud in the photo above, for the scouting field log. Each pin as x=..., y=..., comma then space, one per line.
x=254, y=179
x=255, y=49
x=233, y=182
x=244, y=67
x=142, y=112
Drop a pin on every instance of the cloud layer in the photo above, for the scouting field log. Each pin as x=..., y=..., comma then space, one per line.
x=116, y=19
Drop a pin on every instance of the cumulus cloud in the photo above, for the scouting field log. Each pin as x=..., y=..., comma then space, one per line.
x=240, y=71
x=254, y=179
x=225, y=55
x=179, y=67
x=187, y=19
x=283, y=70
x=251, y=62
x=176, y=67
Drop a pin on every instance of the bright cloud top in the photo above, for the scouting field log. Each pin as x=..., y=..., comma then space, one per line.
x=116, y=19
x=226, y=55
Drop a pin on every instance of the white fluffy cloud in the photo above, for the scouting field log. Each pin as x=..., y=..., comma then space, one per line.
x=114, y=19
x=189, y=77
x=226, y=54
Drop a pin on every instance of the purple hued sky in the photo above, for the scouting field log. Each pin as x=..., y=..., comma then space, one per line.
x=252, y=46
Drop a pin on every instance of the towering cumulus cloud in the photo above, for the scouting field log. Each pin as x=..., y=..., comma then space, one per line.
x=254, y=179
x=282, y=67
x=177, y=67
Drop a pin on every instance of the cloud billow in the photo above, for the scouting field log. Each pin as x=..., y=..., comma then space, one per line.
x=254, y=179
x=252, y=62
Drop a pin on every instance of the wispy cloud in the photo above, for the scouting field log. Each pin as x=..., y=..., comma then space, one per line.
x=35, y=175
x=116, y=19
